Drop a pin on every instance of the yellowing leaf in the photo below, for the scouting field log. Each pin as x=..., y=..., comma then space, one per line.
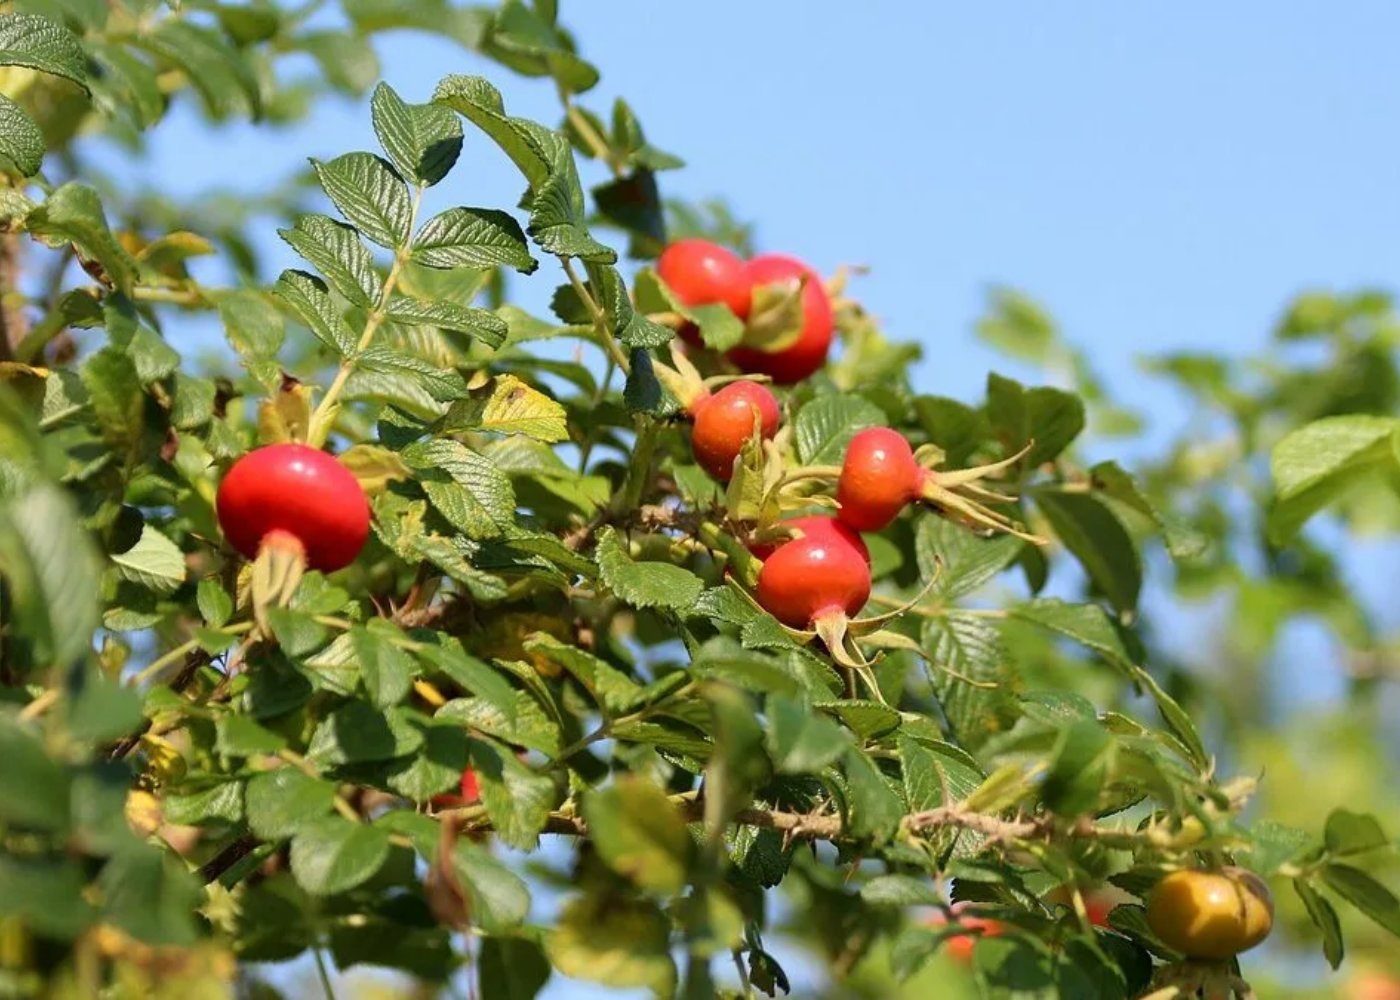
x=506, y=405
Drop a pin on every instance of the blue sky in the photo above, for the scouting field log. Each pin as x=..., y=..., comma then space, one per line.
x=1160, y=176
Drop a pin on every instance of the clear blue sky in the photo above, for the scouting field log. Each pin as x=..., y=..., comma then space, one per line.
x=1160, y=176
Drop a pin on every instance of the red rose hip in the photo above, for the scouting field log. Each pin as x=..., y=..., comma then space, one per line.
x=300, y=491
x=878, y=477
x=724, y=421
x=825, y=572
x=701, y=273
x=806, y=354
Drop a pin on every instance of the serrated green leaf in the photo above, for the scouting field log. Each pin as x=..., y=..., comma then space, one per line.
x=423, y=140
x=1316, y=464
x=73, y=214
x=310, y=299
x=900, y=890
x=608, y=686
x=337, y=252
x=1182, y=540
x=21, y=139
x=371, y=196
x=332, y=855
x=645, y=584
x=874, y=808
x=520, y=721
x=1098, y=541
x=464, y=486
x=799, y=740
x=825, y=426
x=517, y=798
x=473, y=237
x=479, y=323
x=442, y=384
x=356, y=733
x=639, y=834
x=970, y=672
x=39, y=43
x=961, y=561
x=154, y=562
x=867, y=719
x=281, y=802
x=240, y=736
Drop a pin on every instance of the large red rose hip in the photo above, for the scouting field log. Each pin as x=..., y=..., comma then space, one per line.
x=725, y=421
x=824, y=573
x=808, y=352
x=301, y=491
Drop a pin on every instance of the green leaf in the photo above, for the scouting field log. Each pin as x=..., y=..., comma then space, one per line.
x=1099, y=541
x=523, y=723
x=937, y=773
x=371, y=196
x=619, y=942
x=281, y=802
x=356, y=733
x=517, y=798
x=46, y=894
x=21, y=139
x=33, y=788
x=605, y=684
x=1079, y=769
x=1019, y=326
x=465, y=487
x=347, y=61
x=875, y=809
x=215, y=605
x=154, y=562
x=511, y=968
x=900, y=890
x=867, y=719
x=101, y=709
x=1365, y=893
x=149, y=895
x=336, y=251
x=220, y=73
x=1052, y=418
x=437, y=768
x=1182, y=540
x=39, y=43
x=1316, y=464
x=310, y=299
x=961, y=561
x=1353, y=833
x=220, y=804
x=52, y=573
x=387, y=671
x=640, y=834
x=73, y=214
x=332, y=855
x=423, y=140
x=506, y=405
x=1324, y=917
x=825, y=426
x=240, y=736
x=498, y=900
x=252, y=324
x=970, y=671
x=474, y=675
x=442, y=384
x=1086, y=624
x=479, y=323
x=473, y=237
x=800, y=741
x=645, y=584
